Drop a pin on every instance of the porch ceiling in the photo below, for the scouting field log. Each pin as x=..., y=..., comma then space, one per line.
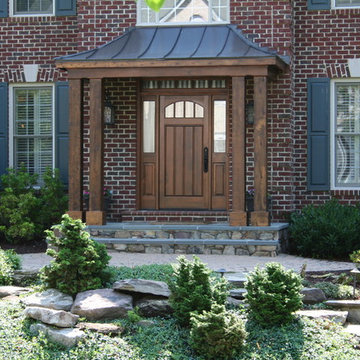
x=180, y=47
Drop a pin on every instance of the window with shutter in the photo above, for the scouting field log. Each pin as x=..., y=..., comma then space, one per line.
x=33, y=7
x=32, y=128
x=347, y=134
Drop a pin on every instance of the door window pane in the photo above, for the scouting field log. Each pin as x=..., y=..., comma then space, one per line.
x=149, y=126
x=219, y=126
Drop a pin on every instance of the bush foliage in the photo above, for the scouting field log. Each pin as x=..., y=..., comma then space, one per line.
x=79, y=262
x=327, y=231
x=9, y=261
x=336, y=291
x=25, y=212
x=194, y=290
x=273, y=294
x=218, y=333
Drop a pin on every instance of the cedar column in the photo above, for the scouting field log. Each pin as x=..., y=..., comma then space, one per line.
x=260, y=216
x=75, y=149
x=96, y=214
x=237, y=216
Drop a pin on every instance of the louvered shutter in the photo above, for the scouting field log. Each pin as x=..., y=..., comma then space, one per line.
x=319, y=4
x=65, y=7
x=4, y=120
x=4, y=9
x=318, y=134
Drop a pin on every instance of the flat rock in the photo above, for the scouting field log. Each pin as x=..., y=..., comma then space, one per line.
x=22, y=276
x=102, y=328
x=52, y=299
x=58, y=318
x=12, y=290
x=312, y=296
x=338, y=317
x=12, y=298
x=154, y=307
x=236, y=302
x=352, y=306
x=158, y=288
x=102, y=304
x=238, y=293
x=236, y=279
x=65, y=337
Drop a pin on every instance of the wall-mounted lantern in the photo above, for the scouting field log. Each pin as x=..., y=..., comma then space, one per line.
x=109, y=111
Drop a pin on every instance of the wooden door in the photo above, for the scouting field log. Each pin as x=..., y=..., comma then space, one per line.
x=185, y=154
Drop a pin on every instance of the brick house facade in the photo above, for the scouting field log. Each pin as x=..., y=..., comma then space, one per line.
x=317, y=37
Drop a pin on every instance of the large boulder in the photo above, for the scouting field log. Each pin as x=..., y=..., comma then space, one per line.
x=58, y=318
x=65, y=337
x=338, y=317
x=12, y=291
x=140, y=286
x=153, y=307
x=312, y=296
x=102, y=304
x=52, y=299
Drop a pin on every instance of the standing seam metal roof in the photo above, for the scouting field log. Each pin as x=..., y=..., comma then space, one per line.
x=176, y=42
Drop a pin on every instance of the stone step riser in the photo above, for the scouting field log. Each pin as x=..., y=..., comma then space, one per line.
x=181, y=246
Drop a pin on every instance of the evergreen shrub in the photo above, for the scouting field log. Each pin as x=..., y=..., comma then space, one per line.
x=218, y=333
x=194, y=289
x=25, y=210
x=327, y=231
x=273, y=294
x=9, y=261
x=79, y=262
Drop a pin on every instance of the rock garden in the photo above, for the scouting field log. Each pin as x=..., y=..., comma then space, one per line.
x=79, y=308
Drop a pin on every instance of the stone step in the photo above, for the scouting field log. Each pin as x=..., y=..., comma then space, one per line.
x=238, y=293
x=338, y=317
x=352, y=306
x=236, y=279
x=191, y=246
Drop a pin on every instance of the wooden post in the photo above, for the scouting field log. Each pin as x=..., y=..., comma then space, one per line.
x=260, y=216
x=237, y=216
x=75, y=149
x=96, y=214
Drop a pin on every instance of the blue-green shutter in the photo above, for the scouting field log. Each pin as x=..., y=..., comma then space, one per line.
x=65, y=7
x=4, y=8
x=319, y=4
x=4, y=120
x=62, y=129
x=318, y=134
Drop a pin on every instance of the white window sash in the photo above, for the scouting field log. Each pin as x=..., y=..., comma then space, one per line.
x=28, y=14
x=12, y=134
x=334, y=6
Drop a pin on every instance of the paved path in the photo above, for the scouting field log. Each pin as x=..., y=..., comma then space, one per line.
x=215, y=262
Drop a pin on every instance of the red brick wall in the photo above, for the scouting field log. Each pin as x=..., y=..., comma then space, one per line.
x=323, y=42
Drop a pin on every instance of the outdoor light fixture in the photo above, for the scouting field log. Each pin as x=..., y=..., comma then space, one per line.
x=109, y=111
x=249, y=113
x=355, y=272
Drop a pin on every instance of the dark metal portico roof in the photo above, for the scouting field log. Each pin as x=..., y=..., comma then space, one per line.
x=176, y=42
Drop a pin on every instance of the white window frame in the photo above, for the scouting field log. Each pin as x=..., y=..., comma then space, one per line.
x=12, y=11
x=12, y=87
x=333, y=133
x=333, y=6
x=138, y=23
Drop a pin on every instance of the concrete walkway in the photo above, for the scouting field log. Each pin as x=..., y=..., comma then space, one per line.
x=215, y=262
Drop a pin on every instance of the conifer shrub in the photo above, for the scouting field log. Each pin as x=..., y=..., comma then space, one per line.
x=27, y=210
x=9, y=261
x=327, y=231
x=79, y=262
x=273, y=294
x=194, y=289
x=217, y=334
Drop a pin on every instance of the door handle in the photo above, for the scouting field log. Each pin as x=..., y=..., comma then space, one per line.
x=206, y=159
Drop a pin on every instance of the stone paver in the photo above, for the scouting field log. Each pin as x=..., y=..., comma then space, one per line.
x=236, y=263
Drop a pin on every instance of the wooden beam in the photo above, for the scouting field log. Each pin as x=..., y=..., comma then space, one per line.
x=179, y=63
x=75, y=149
x=164, y=71
x=96, y=215
x=260, y=216
x=238, y=216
